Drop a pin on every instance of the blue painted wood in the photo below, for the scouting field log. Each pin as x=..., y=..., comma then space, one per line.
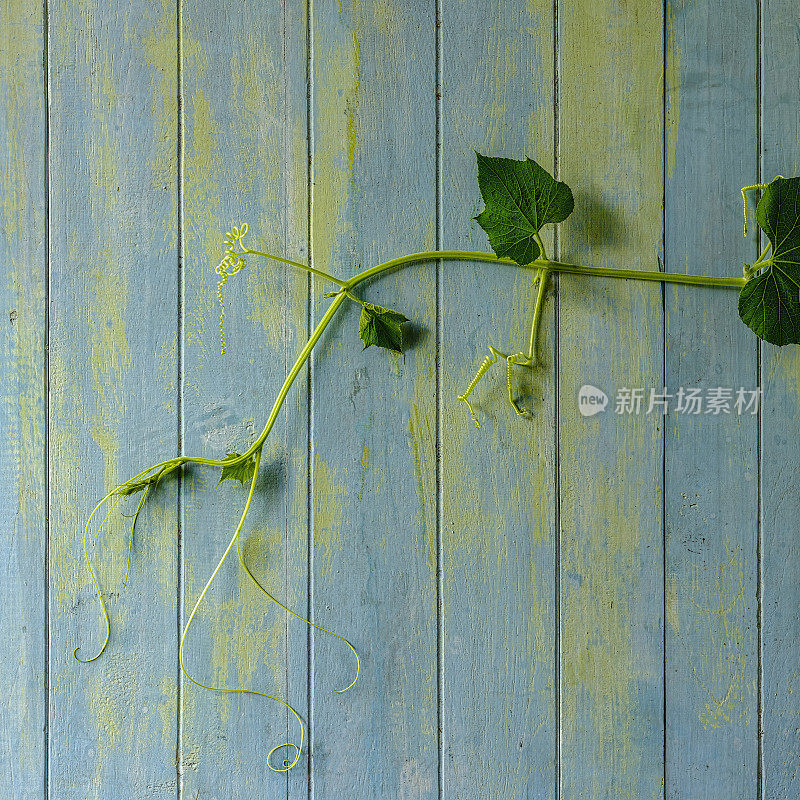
x=498, y=482
x=391, y=445
x=780, y=499
x=113, y=178
x=23, y=573
x=297, y=536
x=611, y=337
x=374, y=416
x=711, y=460
x=244, y=161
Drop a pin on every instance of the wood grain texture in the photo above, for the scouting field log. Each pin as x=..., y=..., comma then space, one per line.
x=554, y=607
x=611, y=336
x=113, y=179
x=244, y=160
x=780, y=499
x=23, y=576
x=711, y=460
x=498, y=482
x=374, y=416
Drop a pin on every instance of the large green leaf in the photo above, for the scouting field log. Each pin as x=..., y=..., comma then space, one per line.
x=520, y=197
x=769, y=303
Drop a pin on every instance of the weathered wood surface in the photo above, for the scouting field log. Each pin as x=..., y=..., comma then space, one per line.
x=244, y=158
x=554, y=607
x=499, y=720
x=779, y=565
x=611, y=466
x=113, y=262
x=23, y=287
x=373, y=479
x=711, y=461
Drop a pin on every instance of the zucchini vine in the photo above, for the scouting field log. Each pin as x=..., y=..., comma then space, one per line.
x=520, y=197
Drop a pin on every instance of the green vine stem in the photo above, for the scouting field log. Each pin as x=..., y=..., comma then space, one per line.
x=395, y=263
x=233, y=262
x=523, y=359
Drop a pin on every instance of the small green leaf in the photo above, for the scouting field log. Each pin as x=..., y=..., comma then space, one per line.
x=769, y=303
x=381, y=327
x=241, y=472
x=520, y=198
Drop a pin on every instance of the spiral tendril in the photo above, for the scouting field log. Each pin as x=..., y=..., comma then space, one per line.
x=143, y=482
x=104, y=610
x=752, y=187
x=516, y=358
x=286, y=764
x=297, y=616
x=482, y=370
x=232, y=263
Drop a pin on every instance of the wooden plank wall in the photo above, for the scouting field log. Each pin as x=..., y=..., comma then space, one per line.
x=243, y=159
x=373, y=478
x=113, y=235
x=23, y=482
x=611, y=466
x=711, y=462
x=780, y=508
x=553, y=607
x=499, y=719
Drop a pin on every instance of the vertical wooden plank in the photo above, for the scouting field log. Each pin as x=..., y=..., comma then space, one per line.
x=780, y=452
x=498, y=498
x=297, y=531
x=22, y=406
x=113, y=174
x=374, y=418
x=611, y=337
x=711, y=460
x=244, y=161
